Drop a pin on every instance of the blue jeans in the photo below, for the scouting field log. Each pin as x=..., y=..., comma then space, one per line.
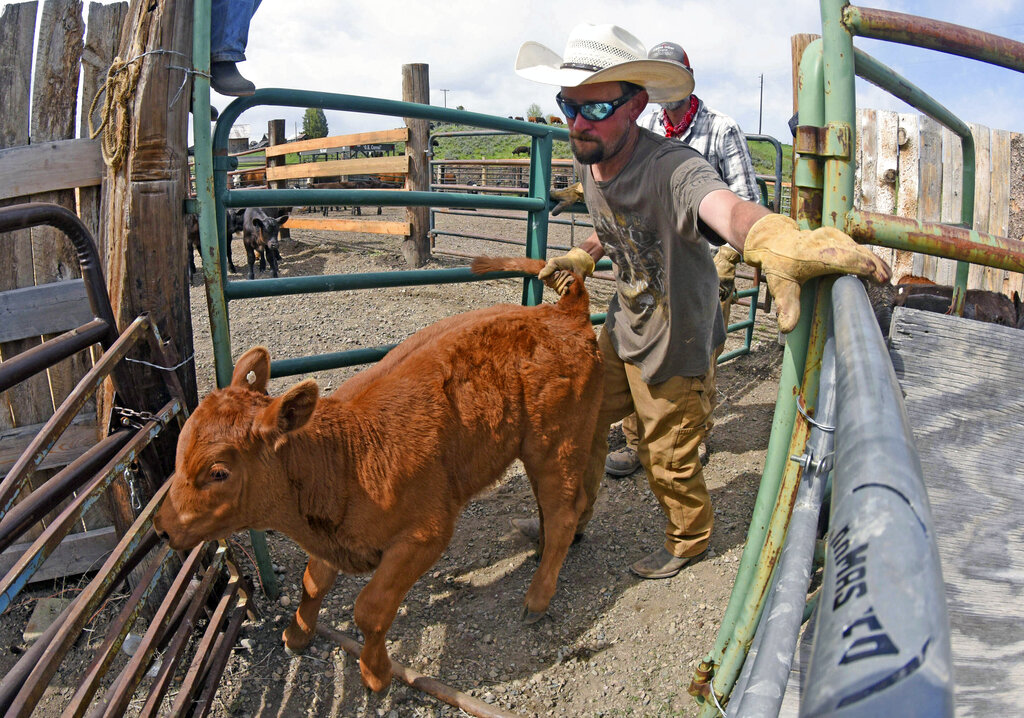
x=229, y=29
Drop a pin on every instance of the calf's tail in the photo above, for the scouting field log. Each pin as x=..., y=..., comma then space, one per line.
x=574, y=301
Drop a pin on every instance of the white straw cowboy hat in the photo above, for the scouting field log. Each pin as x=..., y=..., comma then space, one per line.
x=604, y=53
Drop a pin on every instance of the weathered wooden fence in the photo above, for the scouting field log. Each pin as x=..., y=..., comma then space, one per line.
x=42, y=161
x=910, y=166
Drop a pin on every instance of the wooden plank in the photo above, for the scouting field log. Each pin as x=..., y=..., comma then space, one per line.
x=998, y=280
x=1015, y=222
x=54, y=102
x=338, y=141
x=76, y=439
x=77, y=553
x=908, y=142
x=416, y=88
x=960, y=379
x=350, y=225
x=102, y=35
x=17, y=33
x=886, y=170
x=50, y=166
x=45, y=309
x=929, y=207
x=952, y=191
x=982, y=192
x=331, y=168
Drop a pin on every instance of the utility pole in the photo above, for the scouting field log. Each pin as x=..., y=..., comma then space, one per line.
x=760, y=104
x=445, y=97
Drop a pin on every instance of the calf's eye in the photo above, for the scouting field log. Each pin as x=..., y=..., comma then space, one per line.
x=219, y=473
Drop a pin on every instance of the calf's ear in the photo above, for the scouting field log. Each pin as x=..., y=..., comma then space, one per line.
x=292, y=410
x=252, y=370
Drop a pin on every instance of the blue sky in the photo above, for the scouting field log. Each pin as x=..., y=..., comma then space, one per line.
x=470, y=45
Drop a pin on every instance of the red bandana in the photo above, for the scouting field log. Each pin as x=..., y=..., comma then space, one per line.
x=677, y=130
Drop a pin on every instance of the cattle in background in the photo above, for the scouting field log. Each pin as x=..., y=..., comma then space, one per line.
x=260, y=239
x=375, y=475
x=521, y=150
x=371, y=183
x=234, y=224
x=920, y=293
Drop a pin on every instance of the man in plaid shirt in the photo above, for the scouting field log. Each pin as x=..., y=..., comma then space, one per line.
x=719, y=138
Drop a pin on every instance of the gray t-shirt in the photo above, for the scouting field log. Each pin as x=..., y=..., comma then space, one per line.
x=665, y=316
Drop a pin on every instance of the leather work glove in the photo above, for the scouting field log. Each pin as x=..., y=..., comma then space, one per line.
x=557, y=272
x=789, y=256
x=726, y=259
x=566, y=197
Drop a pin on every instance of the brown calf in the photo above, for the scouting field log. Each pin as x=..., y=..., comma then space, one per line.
x=375, y=475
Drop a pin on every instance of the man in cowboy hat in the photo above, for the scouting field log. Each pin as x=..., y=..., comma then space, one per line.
x=722, y=143
x=647, y=196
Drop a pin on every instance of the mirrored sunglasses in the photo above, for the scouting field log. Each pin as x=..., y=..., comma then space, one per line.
x=593, y=111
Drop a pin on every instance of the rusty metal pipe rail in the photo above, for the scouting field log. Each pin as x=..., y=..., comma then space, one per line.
x=42, y=356
x=47, y=542
x=24, y=467
x=421, y=682
x=70, y=479
x=33, y=214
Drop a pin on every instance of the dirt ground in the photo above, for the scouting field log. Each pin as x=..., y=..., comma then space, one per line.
x=613, y=645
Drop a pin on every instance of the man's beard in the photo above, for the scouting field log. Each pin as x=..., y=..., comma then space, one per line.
x=675, y=105
x=589, y=155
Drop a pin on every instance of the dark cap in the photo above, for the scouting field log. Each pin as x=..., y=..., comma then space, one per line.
x=669, y=51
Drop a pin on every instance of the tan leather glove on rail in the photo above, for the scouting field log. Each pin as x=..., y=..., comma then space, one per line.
x=566, y=197
x=576, y=260
x=789, y=256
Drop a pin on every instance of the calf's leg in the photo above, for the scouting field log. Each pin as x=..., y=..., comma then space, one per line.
x=378, y=602
x=560, y=500
x=316, y=582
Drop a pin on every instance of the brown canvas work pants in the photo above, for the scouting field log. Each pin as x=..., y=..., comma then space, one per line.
x=672, y=418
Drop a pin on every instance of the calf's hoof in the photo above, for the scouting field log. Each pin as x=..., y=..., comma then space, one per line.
x=295, y=639
x=376, y=680
x=531, y=617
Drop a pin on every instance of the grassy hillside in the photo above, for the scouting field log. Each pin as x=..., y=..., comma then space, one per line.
x=497, y=147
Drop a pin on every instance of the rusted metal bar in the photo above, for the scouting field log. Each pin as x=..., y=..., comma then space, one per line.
x=934, y=35
x=420, y=682
x=201, y=660
x=220, y=653
x=115, y=636
x=43, y=356
x=117, y=699
x=40, y=446
x=29, y=682
x=42, y=547
x=179, y=640
x=22, y=216
x=48, y=496
x=941, y=240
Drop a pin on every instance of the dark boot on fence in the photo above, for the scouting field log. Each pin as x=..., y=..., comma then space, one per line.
x=225, y=79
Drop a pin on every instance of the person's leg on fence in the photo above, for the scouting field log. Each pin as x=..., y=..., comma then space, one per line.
x=229, y=36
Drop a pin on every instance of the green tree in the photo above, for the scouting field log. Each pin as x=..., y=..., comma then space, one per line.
x=314, y=123
x=534, y=111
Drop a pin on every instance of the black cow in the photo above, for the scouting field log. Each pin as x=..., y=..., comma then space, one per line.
x=234, y=224
x=260, y=237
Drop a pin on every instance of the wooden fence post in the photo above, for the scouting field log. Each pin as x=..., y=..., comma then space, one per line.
x=275, y=136
x=144, y=206
x=416, y=88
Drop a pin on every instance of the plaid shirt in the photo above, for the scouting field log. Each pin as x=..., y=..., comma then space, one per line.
x=723, y=144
